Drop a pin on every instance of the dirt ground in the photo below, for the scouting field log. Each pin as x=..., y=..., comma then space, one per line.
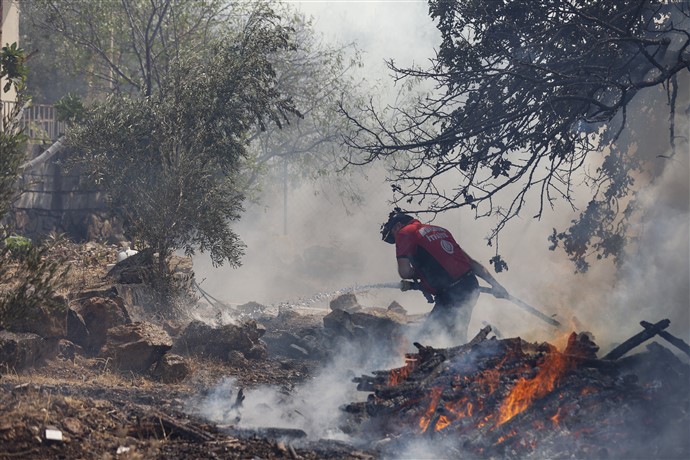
x=80, y=408
x=106, y=414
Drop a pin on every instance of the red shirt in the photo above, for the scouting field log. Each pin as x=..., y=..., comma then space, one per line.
x=437, y=259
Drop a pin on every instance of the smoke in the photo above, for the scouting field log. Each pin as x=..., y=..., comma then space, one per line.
x=327, y=248
x=313, y=407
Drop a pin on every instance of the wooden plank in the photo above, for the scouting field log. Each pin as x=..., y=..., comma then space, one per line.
x=637, y=339
x=670, y=338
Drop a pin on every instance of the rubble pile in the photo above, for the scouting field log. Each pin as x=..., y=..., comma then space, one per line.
x=509, y=398
x=347, y=323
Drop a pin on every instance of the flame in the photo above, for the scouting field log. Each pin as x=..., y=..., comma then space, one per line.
x=425, y=420
x=461, y=408
x=527, y=390
x=456, y=410
x=505, y=437
x=399, y=375
x=442, y=422
x=555, y=419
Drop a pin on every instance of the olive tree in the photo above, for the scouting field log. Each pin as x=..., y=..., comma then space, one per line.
x=170, y=160
x=12, y=141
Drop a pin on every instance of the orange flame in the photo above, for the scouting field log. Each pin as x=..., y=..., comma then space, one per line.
x=425, y=420
x=527, y=390
x=399, y=375
x=442, y=422
x=456, y=410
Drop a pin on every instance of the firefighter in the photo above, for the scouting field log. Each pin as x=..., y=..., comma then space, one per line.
x=430, y=259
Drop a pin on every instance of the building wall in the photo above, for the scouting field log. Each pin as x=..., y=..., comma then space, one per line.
x=9, y=33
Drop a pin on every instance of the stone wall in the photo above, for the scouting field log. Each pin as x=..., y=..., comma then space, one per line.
x=55, y=199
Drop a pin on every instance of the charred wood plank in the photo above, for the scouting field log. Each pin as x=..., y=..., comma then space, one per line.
x=670, y=338
x=481, y=336
x=411, y=390
x=637, y=339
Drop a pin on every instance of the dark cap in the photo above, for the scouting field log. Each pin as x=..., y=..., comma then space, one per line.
x=395, y=216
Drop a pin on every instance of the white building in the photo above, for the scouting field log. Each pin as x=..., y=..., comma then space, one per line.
x=9, y=33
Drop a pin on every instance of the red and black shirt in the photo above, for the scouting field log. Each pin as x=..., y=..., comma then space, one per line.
x=437, y=259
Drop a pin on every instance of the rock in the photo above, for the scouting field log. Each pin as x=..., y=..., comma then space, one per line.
x=101, y=313
x=20, y=350
x=67, y=350
x=237, y=358
x=48, y=322
x=136, y=346
x=257, y=351
x=72, y=426
x=182, y=269
x=77, y=332
x=395, y=307
x=346, y=302
x=251, y=310
x=171, y=369
x=340, y=321
x=201, y=339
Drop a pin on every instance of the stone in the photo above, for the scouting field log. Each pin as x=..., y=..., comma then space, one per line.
x=395, y=307
x=21, y=350
x=136, y=346
x=340, y=321
x=77, y=332
x=48, y=322
x=199, y=338
x=171, y=368
x=345, y=302
x=101, y=312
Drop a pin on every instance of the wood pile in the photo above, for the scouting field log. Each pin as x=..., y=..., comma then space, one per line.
x=509, y=398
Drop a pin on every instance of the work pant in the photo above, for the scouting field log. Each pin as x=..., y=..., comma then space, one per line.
x=453, y=308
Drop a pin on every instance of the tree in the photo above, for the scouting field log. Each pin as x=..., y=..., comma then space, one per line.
x=121, y=46
x=170, y=160
x=528, y=93
x=12, y=141
x=29, y=281
x=318, y=77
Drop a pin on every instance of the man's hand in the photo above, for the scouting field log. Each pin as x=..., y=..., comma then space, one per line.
x=407, y=285
x=499, y=291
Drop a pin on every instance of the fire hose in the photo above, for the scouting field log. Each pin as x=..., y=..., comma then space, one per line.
x=406, y=285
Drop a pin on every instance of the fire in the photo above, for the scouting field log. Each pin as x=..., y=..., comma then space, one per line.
x=491, y=378
x=525, y=391
x=443, y=422
x=396, y=376
x=555, y=419
x=425, y=420
x=456, y=410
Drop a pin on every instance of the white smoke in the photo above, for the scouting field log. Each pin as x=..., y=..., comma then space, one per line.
x=313, y=407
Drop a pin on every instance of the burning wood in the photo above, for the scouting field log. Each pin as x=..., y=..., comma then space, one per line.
x=511, y=398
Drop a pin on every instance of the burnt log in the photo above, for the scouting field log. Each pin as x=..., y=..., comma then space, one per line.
x=670, y=338
x=637, y=339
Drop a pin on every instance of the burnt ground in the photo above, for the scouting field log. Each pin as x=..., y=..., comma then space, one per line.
x=103, y=413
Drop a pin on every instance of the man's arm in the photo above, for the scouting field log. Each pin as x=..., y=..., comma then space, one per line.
x=483, y=273
x=405, y=268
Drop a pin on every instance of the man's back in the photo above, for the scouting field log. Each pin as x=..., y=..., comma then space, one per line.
x=434, y=253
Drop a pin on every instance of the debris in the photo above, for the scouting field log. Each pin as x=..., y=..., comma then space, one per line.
x=513, y=399
x=53, y=434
